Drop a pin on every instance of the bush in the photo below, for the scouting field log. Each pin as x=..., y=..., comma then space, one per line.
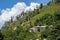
x=57, y=15
x=49, y=3
x=1, y=36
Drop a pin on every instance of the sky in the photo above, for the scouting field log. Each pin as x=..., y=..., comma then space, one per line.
x=9, y=3
x=13, y=8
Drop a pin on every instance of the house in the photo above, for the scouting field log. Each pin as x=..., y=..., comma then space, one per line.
x=37, y=28
x=42, y=27
x=33, y=29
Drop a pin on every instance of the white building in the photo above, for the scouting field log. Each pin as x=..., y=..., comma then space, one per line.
x=37, y=28
x=33, y=29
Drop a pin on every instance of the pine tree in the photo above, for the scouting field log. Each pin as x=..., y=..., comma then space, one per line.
x=11, y=19
x=41, y=5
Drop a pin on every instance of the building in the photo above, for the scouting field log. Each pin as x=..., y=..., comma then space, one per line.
x=37, y=28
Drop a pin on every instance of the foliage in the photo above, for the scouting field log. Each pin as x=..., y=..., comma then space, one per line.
x=57, y=1
x=1, y=36
x=55, y=33
x=42, y=16
x=41, y=5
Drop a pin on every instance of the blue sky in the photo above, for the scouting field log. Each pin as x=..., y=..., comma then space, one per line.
x=9, y=3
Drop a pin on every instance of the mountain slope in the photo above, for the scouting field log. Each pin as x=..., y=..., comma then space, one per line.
x=45, y=16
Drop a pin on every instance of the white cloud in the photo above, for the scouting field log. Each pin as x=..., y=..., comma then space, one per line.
x=32, y=6
x=15, y=10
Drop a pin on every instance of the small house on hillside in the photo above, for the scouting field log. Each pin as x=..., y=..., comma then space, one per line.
x=33, y=29
x=37, y=28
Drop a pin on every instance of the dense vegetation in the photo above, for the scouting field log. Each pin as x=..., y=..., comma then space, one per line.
x=45, y=15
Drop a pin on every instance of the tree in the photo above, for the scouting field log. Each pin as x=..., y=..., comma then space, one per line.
x=23, y=14
x=41, y=5
x=55, y=33
x=57, y=15
x=45, y=33
x=56, y=1
x=11, y=19
x=49, y=3
x=1, y=36
x=31, y=24
x=27, y=18
x=37, y=22
x=52, y=0
x=17, y=17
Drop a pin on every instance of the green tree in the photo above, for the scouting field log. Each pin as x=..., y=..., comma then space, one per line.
x=27, y=18
x=41, y=5
x=11, y=19
x=57, y=15
x=55, y=33
x=56, y=1
x=49, y=3
x=36, y=22
x=45, y=33
x=1, y=36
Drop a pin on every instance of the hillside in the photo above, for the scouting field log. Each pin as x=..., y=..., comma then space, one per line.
x=46, y=16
